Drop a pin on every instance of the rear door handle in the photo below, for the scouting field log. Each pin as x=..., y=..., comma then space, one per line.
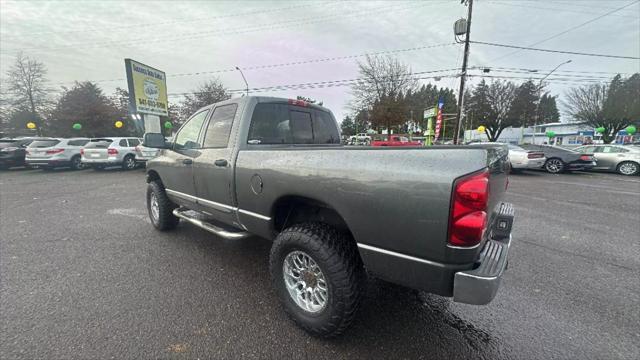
x=221, y=162
x=187, y=161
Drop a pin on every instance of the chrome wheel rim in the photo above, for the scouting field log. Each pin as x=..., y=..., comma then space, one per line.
x=130, y=163
x=305, y=282
x=554, y=165
x=155, y=208
x=628, y=168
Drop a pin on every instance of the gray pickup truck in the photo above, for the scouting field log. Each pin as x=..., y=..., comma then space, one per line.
x=427, y=218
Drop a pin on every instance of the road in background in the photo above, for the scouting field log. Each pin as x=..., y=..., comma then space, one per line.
x=85, y=275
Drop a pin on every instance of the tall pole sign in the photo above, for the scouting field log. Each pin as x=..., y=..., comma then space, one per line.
x=147, y=94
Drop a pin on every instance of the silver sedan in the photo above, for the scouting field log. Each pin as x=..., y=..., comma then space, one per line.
x=624, y=160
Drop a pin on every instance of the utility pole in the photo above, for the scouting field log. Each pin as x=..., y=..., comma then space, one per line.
x=463, y=75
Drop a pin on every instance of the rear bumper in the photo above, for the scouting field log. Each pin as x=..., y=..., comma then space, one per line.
x=480, y=285
x=581, y=166
x=101, y=161
x=472, y=283
x=529, y=164
x=45, y=162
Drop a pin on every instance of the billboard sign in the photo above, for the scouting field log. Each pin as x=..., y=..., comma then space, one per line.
x=147, y=89
x=429, y=113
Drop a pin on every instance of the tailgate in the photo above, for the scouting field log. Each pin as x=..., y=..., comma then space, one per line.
x=498, y=165
x=96, y=154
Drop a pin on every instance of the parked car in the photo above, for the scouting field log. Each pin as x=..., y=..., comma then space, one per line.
x=13, y=151
x=396, y=141
x=519, y=158
x=52, y=153
x=433, y=219
x=143, y=154
x=361, y=138
x=560, y=159
x=624, y=160
x=104, y=152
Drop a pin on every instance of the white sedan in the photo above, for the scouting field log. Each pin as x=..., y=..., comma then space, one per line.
x=520, y=158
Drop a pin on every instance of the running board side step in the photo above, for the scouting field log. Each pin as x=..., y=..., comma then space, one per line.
x=223, y=233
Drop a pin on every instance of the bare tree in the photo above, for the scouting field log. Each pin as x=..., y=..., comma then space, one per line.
x=492, y=104
x=207, y=93
x=27, y=85
x=380, y=88
x=612, y=107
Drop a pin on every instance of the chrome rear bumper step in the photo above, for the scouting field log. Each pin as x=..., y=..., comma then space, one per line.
x=222, y=232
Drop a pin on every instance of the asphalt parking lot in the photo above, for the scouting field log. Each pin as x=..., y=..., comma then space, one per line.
x=84, y=275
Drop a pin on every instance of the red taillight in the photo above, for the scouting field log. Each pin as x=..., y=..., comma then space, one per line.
x=82, y=151
x=54, y=151
x=468, y=217
x=586, y=157
x=534, y=155
x=112, y=151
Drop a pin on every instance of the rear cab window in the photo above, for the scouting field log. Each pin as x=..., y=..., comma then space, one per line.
x=278, y=123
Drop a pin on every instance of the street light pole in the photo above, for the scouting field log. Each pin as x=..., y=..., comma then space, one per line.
x=538, y=89
x=245, y=80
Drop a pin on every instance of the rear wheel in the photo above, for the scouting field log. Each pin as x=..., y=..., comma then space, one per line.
x=554, y=166
x=628, y=168
x=129, y=162
x=160, y=208
x=318, y=276
x=76, y=163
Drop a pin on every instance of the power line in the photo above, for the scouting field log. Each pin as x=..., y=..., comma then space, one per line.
x=145, y=25
x=569, y=29
x=240, y=30
x=293, y=63
x=545, y=70
x=578, y=76
x=555, y=51
x=505, y=3
x=326, y=83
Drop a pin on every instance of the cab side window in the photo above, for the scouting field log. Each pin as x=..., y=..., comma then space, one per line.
x=187, y=138
x=219, y=128
x=134, y=142
x=123, y=143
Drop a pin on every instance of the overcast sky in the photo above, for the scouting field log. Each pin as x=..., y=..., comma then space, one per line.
x=89, y=40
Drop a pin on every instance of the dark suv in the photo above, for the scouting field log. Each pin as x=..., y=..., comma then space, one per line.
x=12, y=152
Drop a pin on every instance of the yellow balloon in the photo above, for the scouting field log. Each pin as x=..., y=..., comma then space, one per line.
x=481, y=128
x=119, y=124
x=31, y=125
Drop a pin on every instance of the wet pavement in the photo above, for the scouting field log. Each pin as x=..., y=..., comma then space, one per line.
x=84, y=275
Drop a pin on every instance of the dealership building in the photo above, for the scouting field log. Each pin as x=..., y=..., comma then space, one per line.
x=565, y=134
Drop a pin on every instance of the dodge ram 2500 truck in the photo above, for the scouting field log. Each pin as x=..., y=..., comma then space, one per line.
x=427, y=218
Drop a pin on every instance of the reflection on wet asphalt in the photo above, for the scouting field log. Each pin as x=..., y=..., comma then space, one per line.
x=84, y=275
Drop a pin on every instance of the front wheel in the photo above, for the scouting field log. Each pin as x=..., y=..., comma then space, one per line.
x=554, y=166
x=628, y=168
x=160, y=208
x=318, y=276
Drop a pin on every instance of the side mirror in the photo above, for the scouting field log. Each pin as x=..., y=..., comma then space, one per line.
x=155, y=140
